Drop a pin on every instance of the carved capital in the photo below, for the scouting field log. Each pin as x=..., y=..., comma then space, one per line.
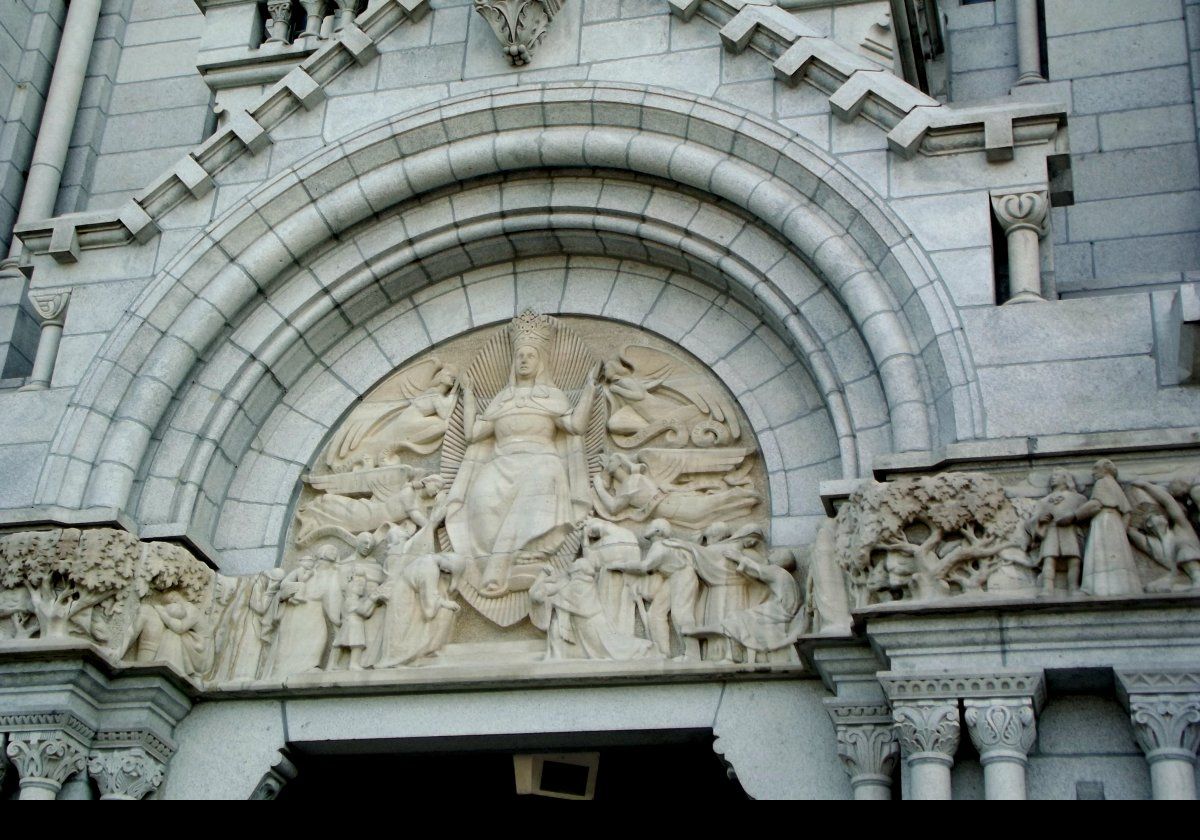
x=1001, y=728
x=867, y=742
x=927, y=729
x=51, y=305
x=1164, y=706
x=126, y=773
x=1028, y=210
x=1166, y=725
x=45, y=759
x=273, y=781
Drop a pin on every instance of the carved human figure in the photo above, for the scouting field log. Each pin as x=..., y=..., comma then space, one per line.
x=249, y=642
x=671, y=585
x=727, y=590
x=1108, y=564
x=1056, y=526
x=522, y=483
x=350, y=641
x=567, y=606
x=421, y=608
x=330, y=510
x=826, y=601
x=613, y=546
x=625, y=490
x=307, y=602
x=168, y=631
x=1171, y=540
x=768, y=630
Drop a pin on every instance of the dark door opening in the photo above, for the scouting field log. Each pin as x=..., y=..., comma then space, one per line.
x=679, y=764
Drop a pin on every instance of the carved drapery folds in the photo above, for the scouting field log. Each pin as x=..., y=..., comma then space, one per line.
x=930, y=538
x=519, y=25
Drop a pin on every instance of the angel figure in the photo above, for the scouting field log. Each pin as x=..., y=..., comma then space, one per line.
x=640, y=490
x=387, y=504
x=650, y=393
x=412, y=420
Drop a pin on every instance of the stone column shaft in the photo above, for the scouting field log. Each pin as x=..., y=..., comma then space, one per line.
x=58, y=118
x=928, y=732
x=1024, y=217
x=51, y=306
x=1029, y=44
x=1003, y=730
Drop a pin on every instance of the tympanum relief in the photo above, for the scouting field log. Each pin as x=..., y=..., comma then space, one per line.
x=548, y=489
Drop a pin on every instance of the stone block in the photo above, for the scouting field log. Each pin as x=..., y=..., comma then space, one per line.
x=1157, y=214
x=1132, y=90
x=1148, y=257
x=225, y=749
x=1159, y=169
x=1144, y=127
x=983, y=49
x=694, y=71
x=1066, y=17
x=1122, y=50
x=624, y=38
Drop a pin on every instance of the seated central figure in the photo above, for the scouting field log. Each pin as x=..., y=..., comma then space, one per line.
x=522, y=486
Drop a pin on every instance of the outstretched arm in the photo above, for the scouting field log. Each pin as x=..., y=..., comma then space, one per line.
x=577, y=421
x=1174, y=510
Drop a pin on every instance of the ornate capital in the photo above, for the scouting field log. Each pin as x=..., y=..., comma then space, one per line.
x=866, y=740
x=51, y=305
x=46, y=758
x=1001, y=728
x=1027, y=210
x=128, y=773
x=1166, y=725
x=1164, y=706
x=927, y=729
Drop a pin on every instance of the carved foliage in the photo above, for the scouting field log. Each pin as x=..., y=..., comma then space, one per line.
x=868, y=749
x=927, y=727
x=519, y=24
x=45, y=756
x=1166, y=723
x=1002, y=725
x=129, y=773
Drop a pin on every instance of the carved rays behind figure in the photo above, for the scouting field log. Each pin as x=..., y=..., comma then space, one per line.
x=519, y=24
x=571, y=362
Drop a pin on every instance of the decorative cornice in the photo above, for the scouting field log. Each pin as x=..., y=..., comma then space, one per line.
x=1022, y=684
x=140, y=739
x=1166, y=681
x=851, y=713
x=46, y=721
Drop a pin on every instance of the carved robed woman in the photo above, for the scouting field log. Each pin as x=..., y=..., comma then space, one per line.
x=521, y=489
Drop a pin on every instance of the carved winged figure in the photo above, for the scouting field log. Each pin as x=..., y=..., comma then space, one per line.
x=413, y=419
x=650, y=394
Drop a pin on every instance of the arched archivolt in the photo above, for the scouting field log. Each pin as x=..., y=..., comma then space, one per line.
x=663, y=178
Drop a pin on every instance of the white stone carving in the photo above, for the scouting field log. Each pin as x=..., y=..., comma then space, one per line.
x=127, y=773
x=1024, y=217
x=1108, y=564
x=279, y=24
x=826, y=601
x=1003, y=730
x=1164, y=707
x=44, y=760
x=928, y=733
x=1169, y=537
x=1056, y=527
x=520, y=25
x=867, y=746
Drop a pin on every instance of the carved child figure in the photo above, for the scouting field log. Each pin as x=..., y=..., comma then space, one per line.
x=358, y=604
x=1055, y=524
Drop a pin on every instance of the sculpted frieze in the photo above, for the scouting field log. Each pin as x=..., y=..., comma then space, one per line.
x=929, y=538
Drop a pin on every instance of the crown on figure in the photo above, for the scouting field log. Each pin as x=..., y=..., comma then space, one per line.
x=531, y=329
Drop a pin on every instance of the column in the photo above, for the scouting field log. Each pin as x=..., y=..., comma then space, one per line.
x=58, y=118
x=1003, y=730
x=928, y=732
x=1165, y=709
x=126, y=772
x=51, y=307
x=1029, y=44
x=44, y=759
x=867, y=746
x=281, y=21
x=1024, y=217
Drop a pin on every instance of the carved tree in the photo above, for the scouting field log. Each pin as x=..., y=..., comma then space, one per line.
x=925, y=537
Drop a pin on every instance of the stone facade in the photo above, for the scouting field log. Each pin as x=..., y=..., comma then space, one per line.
x=821, y=376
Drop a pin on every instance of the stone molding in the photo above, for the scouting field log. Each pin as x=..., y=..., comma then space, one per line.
x=67, y=722
x=914, y=121
x=1021, y=684
x=247, y=132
